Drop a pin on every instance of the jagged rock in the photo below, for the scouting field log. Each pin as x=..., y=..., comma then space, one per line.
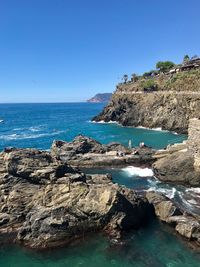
x=167, y=211
x=87, y=152
x=80, y=145
x=177, y=168
x=164, y=208
x=48, y=203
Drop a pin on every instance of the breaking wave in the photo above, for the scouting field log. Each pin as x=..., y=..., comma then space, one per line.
x=136, y=171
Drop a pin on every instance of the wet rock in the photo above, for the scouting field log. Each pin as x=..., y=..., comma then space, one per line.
x=185, y=224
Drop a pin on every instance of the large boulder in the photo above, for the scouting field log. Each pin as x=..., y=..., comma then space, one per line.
x=177, y=168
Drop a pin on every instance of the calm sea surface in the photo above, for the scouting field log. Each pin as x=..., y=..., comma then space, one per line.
x=37, y=125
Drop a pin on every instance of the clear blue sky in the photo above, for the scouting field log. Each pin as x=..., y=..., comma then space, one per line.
x=68, y=50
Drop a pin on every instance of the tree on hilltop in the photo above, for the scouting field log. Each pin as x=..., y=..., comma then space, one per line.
x=186, y=59
x=134, y=77
x=125, y=78
x=164, y=66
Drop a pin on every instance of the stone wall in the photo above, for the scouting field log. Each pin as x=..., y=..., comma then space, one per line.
x=194, y=141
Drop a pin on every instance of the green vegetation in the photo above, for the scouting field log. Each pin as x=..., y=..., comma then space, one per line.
x=164, y=66
x=149, y=85
x=166, y=74
x=184, y=81
x=186, y=59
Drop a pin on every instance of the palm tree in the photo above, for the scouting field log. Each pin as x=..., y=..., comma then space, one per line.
x=125, y=78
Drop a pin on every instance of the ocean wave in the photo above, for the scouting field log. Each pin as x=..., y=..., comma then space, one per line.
x=104, y=122
x=31, y=129
x=170, y=193
x=27, y=136
x=136, y=171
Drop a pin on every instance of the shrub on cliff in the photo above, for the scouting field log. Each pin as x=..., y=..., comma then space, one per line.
x=149, y=85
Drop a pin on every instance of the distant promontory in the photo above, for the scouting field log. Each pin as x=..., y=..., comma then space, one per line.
x=100, y=98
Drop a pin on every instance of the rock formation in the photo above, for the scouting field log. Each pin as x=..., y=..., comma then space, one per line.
x=179, y=164
x=47, y=203
x=185, y=224
x=170, y=107
x=87, y=152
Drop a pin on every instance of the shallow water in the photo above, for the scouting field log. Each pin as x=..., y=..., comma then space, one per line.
x=153, y=246
x=37, y=125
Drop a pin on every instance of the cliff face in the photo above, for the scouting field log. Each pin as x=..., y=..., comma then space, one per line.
x=175, y=101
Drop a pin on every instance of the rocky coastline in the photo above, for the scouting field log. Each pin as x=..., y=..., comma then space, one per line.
x=46, y=201
x=170, y=107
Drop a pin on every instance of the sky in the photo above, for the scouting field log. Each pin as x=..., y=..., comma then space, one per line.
x=69, y=50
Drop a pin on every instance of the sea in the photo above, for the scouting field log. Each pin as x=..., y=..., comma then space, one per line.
x=156, y=245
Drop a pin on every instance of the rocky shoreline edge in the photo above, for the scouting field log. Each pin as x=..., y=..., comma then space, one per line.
x=47, y=201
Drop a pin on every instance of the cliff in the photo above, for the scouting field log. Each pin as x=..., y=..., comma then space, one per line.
x=167, y=101
x=100, y=98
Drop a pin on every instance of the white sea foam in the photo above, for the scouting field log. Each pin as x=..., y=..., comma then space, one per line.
x=170, y=193
x=1, y=121
x=158, y=129
x=153, y=182
x=104, y=122
x=32, y=128
x=136, y=171
x=195, y=190
x=27, y=136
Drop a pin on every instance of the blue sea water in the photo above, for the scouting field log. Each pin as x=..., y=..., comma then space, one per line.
x=37, y=125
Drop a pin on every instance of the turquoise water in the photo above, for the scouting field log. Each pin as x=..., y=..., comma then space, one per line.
x=37, y=125
x=154, y=246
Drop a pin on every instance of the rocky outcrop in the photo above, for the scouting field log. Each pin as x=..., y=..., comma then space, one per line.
x=87, y=152
x=170, y=107
x=179, y=164
x=185, y=224
x=47, y=203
